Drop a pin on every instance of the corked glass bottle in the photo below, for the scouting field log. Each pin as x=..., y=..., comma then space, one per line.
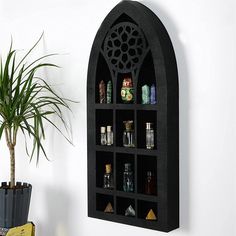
x=108, y=178
x=128, y=134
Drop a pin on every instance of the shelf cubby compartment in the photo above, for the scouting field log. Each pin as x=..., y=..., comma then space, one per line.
x=146, y=163
x=146, y=76
x=121, y=159
x=121, y=116
x=123, y=203
x=144, y=207
x=102, y=158
x=103, y=73
x=143, y=117
x=104, y=117
x=102, y=200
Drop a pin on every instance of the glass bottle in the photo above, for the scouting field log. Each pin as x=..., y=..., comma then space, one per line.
x=149, y=136
x=128, y=134
x=109, y=136
x=103, y=136
x=108, y=178
x=128, y=178
x=150, y=183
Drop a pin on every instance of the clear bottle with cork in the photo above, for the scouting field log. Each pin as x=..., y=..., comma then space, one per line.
x=149, y=136
x=109, y=136
x=108, y=177
x=103, y=136
x=128, y=134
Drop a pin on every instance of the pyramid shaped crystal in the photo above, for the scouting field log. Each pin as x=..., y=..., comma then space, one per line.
x=151, y=215
x=130, y=211
x=109, y=208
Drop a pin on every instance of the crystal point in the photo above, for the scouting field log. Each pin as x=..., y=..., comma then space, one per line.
x=109, y=208
x=130, y=211
x=151, y=215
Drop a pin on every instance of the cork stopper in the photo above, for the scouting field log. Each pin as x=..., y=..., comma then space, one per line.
x=108, y=168
x=128, y=124
x=103, y=130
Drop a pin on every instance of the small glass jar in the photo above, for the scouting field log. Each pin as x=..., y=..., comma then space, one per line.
x=103, y=136
x=108, y=178
x=128, y=134
x=149, y=136
x=128, y=178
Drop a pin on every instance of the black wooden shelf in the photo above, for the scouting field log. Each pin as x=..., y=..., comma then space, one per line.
x=132, y=42
x=140, y=151
x=126, y=106
x=138, y=196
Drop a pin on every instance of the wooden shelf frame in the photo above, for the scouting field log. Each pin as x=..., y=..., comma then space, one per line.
x=159, y=68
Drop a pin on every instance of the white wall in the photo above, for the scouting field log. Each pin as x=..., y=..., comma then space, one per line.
x=203, y=34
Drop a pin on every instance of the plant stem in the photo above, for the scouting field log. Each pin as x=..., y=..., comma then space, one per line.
x=12, y=158
x=11, y=146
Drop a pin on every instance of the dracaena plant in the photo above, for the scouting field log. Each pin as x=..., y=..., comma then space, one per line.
x=27, y=103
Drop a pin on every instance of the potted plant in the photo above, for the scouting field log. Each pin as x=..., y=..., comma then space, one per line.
x=27, y=102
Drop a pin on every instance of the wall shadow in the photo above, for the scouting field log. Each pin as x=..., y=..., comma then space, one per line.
x=184, y=99
x=58, y=210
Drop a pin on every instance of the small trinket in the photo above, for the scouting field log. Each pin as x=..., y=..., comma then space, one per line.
x=102, y=92
x=127, y=91
x=109, y=92
x=145, y=94
x=130, y=211
x=153, y=94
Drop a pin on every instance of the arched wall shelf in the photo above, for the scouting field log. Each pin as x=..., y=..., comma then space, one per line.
x=133, y=42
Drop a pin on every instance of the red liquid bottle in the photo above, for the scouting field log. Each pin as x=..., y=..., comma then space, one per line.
x=150, y=184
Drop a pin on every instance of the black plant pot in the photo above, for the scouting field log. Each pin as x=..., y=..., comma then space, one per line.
x=14, y=204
